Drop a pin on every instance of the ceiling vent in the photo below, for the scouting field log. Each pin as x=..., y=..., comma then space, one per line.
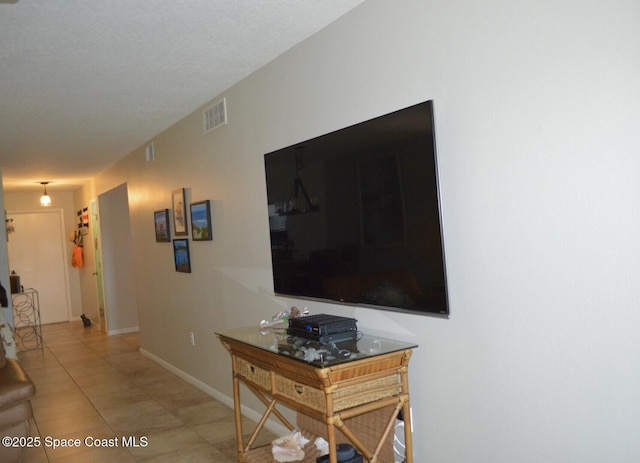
x=215, y=115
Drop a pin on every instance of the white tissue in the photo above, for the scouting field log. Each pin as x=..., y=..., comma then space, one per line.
x=322, y=445
x=289, y=448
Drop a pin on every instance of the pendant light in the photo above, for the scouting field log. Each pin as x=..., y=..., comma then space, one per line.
x=45, y=199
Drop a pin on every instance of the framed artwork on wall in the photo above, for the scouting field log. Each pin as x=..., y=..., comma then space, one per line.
x=181, y=255
x=161, y=221
x=179, y=212
x=201, y=221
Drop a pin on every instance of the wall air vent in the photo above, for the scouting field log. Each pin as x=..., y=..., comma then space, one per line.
x=215, y=115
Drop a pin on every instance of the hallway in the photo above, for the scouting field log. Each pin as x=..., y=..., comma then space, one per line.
x=90, y=385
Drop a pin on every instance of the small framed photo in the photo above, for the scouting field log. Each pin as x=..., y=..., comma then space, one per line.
x=201, y=221
x=179, y=212
x=161, y=221
x=181, y=255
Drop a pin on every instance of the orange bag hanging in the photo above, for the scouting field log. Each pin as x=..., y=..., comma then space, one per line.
x=76, y=257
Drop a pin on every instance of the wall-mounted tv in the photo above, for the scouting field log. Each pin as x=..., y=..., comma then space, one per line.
x=354, y=216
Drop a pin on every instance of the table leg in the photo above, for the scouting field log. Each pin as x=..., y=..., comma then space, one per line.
x=408, y=447
x=238, y=417
x=331, y=438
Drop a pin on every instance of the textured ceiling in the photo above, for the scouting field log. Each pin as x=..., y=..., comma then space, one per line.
x=84, y=82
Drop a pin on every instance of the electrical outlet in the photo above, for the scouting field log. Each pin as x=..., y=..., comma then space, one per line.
x=193, y=339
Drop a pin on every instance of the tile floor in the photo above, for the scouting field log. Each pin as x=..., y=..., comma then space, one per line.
x=90, y=385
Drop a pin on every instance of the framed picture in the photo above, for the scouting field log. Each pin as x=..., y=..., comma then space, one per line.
x=161, y=221
x=179, y=212
x=181, y=255
x=201, y=221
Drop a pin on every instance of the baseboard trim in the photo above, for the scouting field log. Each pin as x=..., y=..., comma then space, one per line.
x=133, y=329
x=274, y=426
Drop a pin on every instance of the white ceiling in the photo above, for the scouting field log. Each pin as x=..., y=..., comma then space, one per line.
x=85, y=82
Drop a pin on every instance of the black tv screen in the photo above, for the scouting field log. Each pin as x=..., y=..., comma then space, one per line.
x=354, y=215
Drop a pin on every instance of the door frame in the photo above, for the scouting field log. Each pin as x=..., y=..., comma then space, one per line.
x=98, y=271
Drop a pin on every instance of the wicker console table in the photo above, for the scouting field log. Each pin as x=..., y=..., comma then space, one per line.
x=333, y=386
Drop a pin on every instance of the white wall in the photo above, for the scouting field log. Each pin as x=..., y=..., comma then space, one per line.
x=537, y=107
x=87, y=279
x=119, y=273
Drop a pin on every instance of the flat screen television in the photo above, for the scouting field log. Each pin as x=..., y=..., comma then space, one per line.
x=354, y=216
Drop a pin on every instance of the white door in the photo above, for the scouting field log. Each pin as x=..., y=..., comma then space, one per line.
x=37, y=253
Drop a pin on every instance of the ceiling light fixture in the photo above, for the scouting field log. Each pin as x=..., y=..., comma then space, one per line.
x=45, y=199
x=294, y=206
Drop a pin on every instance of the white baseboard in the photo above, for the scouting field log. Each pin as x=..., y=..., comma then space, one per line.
x=274, y=426
x=133, y=329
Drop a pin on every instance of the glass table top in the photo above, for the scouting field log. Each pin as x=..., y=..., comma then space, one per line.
x=275, y=339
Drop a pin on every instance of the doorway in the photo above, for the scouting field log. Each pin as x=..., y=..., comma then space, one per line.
x=37, y=253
